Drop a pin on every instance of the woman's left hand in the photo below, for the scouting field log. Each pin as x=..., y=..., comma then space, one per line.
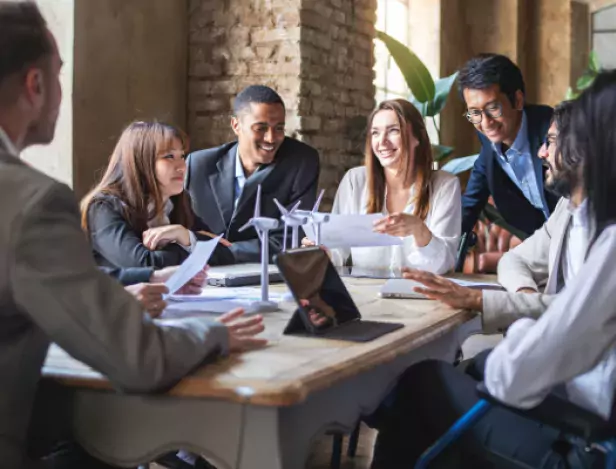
x=158, y=237
x=398, y=224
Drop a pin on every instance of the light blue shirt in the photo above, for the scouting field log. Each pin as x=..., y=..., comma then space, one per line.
x=240, y=178
x=517, y=162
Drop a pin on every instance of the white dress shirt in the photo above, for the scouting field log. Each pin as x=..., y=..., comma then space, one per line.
x=572, y=343
x=240, y=178
x=443, y=220
x=8, y=144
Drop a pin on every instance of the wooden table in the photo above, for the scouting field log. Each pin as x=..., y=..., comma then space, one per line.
x=262, y=409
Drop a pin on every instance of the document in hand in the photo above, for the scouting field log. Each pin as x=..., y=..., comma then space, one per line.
x=351, y=231
x=192, y=265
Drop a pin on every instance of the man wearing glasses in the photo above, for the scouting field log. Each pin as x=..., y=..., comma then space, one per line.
x=508, y=168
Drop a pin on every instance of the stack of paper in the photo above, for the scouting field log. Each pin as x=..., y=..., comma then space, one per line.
x=343, y=231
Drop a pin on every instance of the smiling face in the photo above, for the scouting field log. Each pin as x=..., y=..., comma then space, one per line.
x=386, y=138
x=260, y=132
x=557, y=180
x=492, y=101
x=170, y=168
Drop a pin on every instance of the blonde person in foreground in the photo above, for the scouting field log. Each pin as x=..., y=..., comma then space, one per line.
x=420, y=205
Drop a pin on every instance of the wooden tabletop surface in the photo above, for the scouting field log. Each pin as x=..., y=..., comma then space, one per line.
x=291, y=367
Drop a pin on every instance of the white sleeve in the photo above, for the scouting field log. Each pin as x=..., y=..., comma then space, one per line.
x=569, y=339
x=343, y=204
x=445, y=224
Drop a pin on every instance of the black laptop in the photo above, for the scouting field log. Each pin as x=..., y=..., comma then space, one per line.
x=324, y=306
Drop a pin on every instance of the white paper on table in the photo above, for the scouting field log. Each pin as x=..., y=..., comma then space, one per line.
x=480, y=285
x=351, y=231
x=210, y=293
x=192, y=264
x=177, y=309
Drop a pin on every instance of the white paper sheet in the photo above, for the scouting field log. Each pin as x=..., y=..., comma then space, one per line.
x=210, y=293
x=192, y=265
x=351, y=231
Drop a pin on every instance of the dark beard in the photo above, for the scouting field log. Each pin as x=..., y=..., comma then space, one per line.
x=561, y=185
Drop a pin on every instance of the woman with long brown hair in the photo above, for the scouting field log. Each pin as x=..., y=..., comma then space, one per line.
x=419, y=205
x=138, y=214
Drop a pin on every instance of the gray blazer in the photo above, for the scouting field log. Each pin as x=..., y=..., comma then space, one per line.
x=51, y=290
x=532, y=264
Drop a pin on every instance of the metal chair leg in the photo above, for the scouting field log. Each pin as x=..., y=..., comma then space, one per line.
x=336, y=451
x=353, y=441
x=464, y=423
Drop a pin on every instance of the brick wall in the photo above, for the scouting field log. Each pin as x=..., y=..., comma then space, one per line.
x=318, y=54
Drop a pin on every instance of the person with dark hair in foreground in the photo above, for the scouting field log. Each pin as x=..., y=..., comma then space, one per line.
x=50, y=287
x=511, y=132
x=223, y=181
x=569, y=350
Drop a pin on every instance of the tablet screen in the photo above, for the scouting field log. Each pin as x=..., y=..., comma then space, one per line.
x=317, y=288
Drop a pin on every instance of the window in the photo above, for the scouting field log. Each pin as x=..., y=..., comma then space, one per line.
x=604, y=36
x=392, y=17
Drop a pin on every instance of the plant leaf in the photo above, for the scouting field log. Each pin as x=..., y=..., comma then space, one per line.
x=493, y=215
x=440, y=152
x=459, y=165
x=415, y=73
x=593, y=62
x=421, y=107
x=585, y=81
x=570, y=94
x=442, y=88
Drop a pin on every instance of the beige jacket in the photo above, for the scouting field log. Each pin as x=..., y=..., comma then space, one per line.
x=51, y=290
x=532, y=264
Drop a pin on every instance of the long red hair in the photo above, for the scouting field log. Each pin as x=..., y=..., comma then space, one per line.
x=417, y=169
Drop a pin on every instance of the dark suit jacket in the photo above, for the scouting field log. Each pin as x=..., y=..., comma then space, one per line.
x=129, y=275
x=489, y=178
x=115, y=243
x=210, y=181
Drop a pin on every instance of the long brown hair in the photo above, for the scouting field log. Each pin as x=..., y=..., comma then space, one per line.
x=419, y=169
x=131, y=176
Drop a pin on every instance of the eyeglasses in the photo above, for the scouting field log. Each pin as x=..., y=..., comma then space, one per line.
x=493, y=111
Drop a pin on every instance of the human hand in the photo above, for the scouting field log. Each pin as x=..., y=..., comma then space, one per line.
x=160, y=236
x=398, y=224
x=150, y=295
x=192, y=287
x=307, y=243
x=242, y=330
x=444, y=290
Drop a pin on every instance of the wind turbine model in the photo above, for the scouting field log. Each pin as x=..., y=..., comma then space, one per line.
x=316, y=217
x=263, y=226
x=292, y=219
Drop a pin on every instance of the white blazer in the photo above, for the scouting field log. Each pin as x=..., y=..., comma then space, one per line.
x=443, y=220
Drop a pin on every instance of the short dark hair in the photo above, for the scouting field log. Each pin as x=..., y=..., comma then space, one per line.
x=23, y=36
x=593, y=136
x=486, y=70
x=255, y=94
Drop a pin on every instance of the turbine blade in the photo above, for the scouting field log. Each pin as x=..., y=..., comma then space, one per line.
x=318, y=202
x=258, y=202
x=295, y=207
x=281, y=207
x=246, y=226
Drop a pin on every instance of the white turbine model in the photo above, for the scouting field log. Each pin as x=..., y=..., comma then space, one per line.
x=292, y=219
x=263, y=226
x=316, y=217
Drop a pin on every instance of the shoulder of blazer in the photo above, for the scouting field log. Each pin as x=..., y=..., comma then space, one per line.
x=298, y=150
x=209, y=156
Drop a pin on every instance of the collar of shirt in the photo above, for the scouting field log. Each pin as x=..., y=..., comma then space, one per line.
x=8, y=144
x=163, y=219
x=579, y=214
x=239, y=169
x=521, y=145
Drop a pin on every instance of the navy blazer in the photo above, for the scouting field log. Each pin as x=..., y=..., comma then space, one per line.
x=489, y=178
x=210, y=181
